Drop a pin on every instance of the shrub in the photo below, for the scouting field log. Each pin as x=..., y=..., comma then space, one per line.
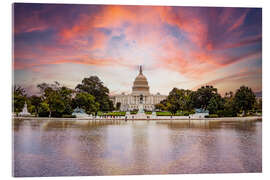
x=186, y=113
x=134, y=111
x=228, y=113
x=56, y=114
x=192, y=111
x=179, y=113
x=212, y=116
x=164, y=113
x=111, y=113
x=220, y=113
x=43, y=110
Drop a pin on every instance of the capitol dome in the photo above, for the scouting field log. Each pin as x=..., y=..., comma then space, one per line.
x=140, y=85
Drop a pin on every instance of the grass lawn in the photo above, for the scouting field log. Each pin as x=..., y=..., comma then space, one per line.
x=166, y=113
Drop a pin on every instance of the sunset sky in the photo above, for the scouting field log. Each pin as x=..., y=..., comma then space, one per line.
x=183, y=47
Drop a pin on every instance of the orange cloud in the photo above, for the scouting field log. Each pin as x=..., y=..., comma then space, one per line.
x=86, y=60
x=113, y=16
x=145, y=26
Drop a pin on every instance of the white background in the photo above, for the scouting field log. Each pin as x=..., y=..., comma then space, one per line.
x=6, y=81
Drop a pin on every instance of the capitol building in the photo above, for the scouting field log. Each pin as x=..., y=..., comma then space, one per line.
x=140, y=95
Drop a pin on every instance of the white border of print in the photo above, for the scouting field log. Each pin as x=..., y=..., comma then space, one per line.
x=6, y=80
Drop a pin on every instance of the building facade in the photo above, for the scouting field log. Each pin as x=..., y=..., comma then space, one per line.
x=140, y=89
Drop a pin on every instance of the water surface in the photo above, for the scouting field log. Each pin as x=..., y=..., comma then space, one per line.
x=69, y=148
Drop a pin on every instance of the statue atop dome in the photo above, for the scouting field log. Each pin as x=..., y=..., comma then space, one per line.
x=140, y=69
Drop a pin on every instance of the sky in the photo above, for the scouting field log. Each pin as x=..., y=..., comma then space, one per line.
x=182, y=47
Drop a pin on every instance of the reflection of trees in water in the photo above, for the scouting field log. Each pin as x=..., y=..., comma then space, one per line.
x=233, y=146
x=71, y=144
x=249, y=134
x=183, y=124
x=48, y=125
x=19, y=123
x=90, y=147
x=76, y=143
x=16, y=123
x=79, y=124
x=247, y=125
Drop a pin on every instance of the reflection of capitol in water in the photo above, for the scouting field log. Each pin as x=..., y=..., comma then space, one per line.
x=116, y=147
x=140, y=89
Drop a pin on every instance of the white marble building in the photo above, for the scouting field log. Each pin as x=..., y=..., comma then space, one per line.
x=140, y=90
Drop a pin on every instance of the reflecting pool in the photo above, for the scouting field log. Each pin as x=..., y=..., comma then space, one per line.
x=83, y=148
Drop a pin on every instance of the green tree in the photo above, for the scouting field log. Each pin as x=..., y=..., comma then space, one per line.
x=111, y=106
x=174, y=100
x=19, y=98
x=57, y=97
x=202, y=96
x=57, y=106
x=118, y=105
x=49, y=96
x=87, y=102
x=164, y=103
x=230, y=109
x=44, y=109
x=180, y=99
x=160, y=106
x=216, y=103
x=18, y=90
x=66, y=96
x=258, y=105
x=172, y=107
x=187, y=104
x=94, y=86
x=35, y=102
x=229, y=95
x=244, y=99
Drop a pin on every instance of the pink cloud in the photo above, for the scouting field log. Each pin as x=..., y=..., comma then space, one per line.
x=240, y=78
x=76, y=42
x=239, y=22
